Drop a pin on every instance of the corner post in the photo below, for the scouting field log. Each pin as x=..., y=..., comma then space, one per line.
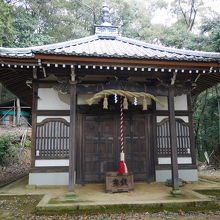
x=72, y=150
x=34, y=121
x=173, y=138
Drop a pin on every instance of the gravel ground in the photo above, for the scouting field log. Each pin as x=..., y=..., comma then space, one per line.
x=16, y=169
x=8, y=174
x=16, y=208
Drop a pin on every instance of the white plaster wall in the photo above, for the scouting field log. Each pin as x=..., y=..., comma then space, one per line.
x=180, y=102
x=186, y=174
x=52, y=163
x=164, y=101
x=51, y=179
x=180, y=160
x=50, y=99
x=41, y=118
x=184, y=118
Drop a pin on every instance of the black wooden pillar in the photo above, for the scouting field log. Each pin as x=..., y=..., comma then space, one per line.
x=35, y=86
x=173, y=138
x=72, y=150
x=191, y=132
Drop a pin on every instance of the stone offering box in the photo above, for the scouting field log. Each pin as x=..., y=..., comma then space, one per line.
x=116, y=182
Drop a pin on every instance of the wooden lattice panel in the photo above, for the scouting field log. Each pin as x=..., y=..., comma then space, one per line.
x=163, y=138
x=52, y=139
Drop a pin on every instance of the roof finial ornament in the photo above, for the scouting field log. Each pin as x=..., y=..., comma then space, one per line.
x=105, y=15
x=106, y=29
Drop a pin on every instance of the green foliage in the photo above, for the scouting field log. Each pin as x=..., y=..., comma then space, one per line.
x=11, y=149
x=5, y=144
x=31, y=22
x=206, y=124
x=42, y=22
x=27, y=143
x=211, y=29
x=210, y=192
x=27, y=29
x=6, y=29
x=5, y=95
x=186, y=12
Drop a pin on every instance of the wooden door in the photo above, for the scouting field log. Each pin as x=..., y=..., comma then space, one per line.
x=101, y=145
x=136, y=145
x=98, y=147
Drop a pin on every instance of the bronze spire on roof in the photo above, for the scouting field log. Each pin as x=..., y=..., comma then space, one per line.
x=106, y=29
x=105, y=15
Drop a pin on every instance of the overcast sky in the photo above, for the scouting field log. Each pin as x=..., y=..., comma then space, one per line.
x=162, y=16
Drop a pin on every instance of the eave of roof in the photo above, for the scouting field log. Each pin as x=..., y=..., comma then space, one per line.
x=111, y=47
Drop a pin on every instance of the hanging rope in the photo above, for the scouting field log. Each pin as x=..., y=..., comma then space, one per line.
x=122, y=126
x=127, y=94
x=122, y=168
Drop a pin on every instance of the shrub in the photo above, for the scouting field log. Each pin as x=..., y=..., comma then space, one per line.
x=5, y=144
x=11, y=151
x=27, y=143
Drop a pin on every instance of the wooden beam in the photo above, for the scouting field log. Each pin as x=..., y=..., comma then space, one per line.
x=135, y=87
x=53, y=112
x=19, y=60
x=72, y=150
x=173, y=138
x=124, y=61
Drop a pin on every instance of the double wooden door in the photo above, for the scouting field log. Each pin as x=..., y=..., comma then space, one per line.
x=101, y=145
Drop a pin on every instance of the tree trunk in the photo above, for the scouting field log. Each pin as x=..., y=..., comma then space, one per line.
x=199, y=120
x=18, y=112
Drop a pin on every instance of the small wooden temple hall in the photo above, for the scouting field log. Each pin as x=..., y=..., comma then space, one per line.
x=76, y=90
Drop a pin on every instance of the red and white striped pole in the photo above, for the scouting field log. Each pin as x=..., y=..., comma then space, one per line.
x=122, y=168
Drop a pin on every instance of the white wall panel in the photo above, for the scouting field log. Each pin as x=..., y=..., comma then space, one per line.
x=41, y=118
x=50, y=99
x=180, y=102
x=184, y=118
x=186, y=174
x=181, y=160
x=51, y=163
x=160, y=118
x=49, y=179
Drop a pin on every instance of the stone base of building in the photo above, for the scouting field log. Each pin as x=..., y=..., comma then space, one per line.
x=62, y=178
x=187, y=175
x=49, y=179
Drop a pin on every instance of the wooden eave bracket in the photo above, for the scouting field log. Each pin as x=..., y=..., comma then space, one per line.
x=173, y=79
